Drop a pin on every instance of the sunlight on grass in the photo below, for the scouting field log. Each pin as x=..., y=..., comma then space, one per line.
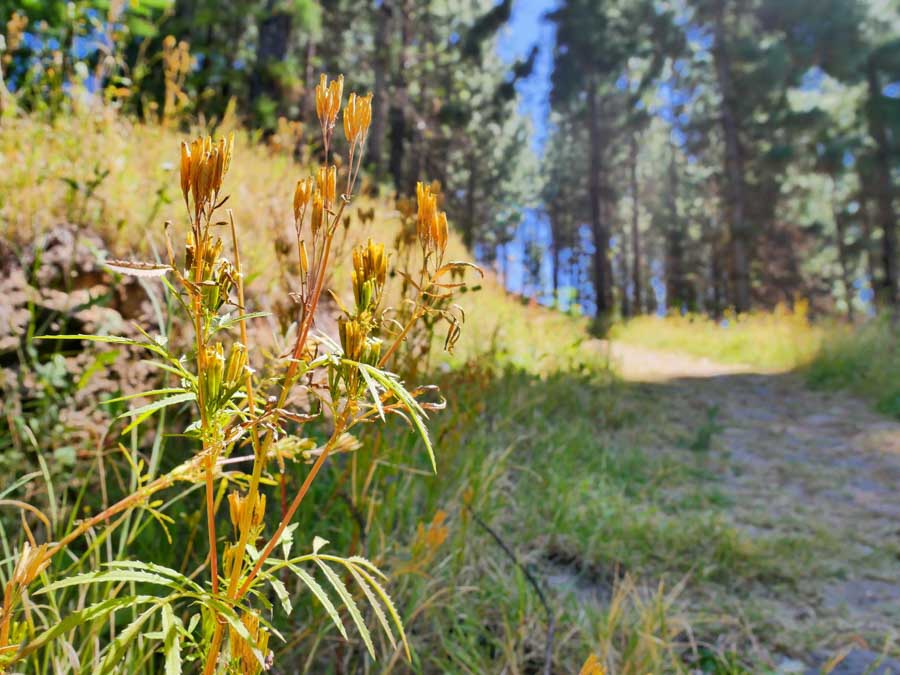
x=780, y=340
x=866, y=361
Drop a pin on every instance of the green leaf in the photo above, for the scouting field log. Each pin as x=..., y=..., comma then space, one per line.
x=171, y=641
x=385, y=598
x=228, y=323
x=111, y=339
x=113, y=576
x=412, y=406
x=287, y=539
x=155, y=568
x=282, y=594
x=157, y=405
x=349, y=603
x=83, y=616
x=176, y=370
x=321, y=595
x=140, y=394
x=373, y=389
x=373, y=602
x=19, y=483
x=117, y=649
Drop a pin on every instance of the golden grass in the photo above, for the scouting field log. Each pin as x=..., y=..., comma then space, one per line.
x=46, y=179
x=784, y=339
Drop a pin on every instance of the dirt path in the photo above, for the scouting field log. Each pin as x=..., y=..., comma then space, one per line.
x=823, y=468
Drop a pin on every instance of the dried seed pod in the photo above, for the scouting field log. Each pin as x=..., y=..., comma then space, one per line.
x=237, y=361
x=212, y=374
x=304, y=259
x=357, y=118
x=353, y=337
x=427, y=214
x=185, y=169
x=318, y=213
x=30, y=564
x=302, y=193
x=328, y=99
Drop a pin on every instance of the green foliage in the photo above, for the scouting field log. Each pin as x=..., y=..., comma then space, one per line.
x=866, y=361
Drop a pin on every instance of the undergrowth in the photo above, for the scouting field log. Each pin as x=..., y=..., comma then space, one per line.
x=865, y=361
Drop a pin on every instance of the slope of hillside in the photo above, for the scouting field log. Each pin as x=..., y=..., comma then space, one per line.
x=643, y=519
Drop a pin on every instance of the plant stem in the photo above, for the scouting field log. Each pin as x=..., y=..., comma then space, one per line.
x=387, y=355
x=270, y=546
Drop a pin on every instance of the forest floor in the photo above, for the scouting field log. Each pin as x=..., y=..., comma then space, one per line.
x=819, y=469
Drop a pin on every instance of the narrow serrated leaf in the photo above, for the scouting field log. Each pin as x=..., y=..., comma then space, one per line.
x=281, y=593
x=373, y=389
x=110, y=339
x=84, y=616
x=158, y=405
x=412, y=406
x=349, y=603
x=171, y=641
x=321, y=596
x=373, y=603
x=116, y=650
x=386, y=599
x=141, y=394
x=113, y=576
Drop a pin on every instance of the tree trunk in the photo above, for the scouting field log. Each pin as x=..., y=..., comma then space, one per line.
x=625, y=297
x=883, y=190
x=677, y=293
x=471, y=203
x=734, y=165
x=866, y=220
x=398, y=122
x=715, y=273
x=381, y=63
x=843, y=254
x=271, y=48
x=554, y=248
x=599, y=229
x=635, y=229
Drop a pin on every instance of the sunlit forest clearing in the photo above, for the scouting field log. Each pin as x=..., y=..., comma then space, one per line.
x=571, y=349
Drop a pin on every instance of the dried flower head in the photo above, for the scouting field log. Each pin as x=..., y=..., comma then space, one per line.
x=431, y=224
x=326, y=184
x=328, y=100
x=302, y=194
x=353, y=334
x=357, y=118
x=246, y=516
x=368, y=275
x=243, y=651
x=203, y=168
x=318, y=213
x=30, y=564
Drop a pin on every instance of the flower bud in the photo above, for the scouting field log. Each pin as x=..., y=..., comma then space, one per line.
x=212, y=375
x=237, y=360
x=318, y=213
x=304, y=259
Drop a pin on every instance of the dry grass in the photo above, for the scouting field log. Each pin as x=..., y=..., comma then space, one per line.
x=780, y=340
x=47, y=180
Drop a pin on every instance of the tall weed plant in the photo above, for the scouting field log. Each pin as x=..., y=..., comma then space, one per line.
x=83, y=590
